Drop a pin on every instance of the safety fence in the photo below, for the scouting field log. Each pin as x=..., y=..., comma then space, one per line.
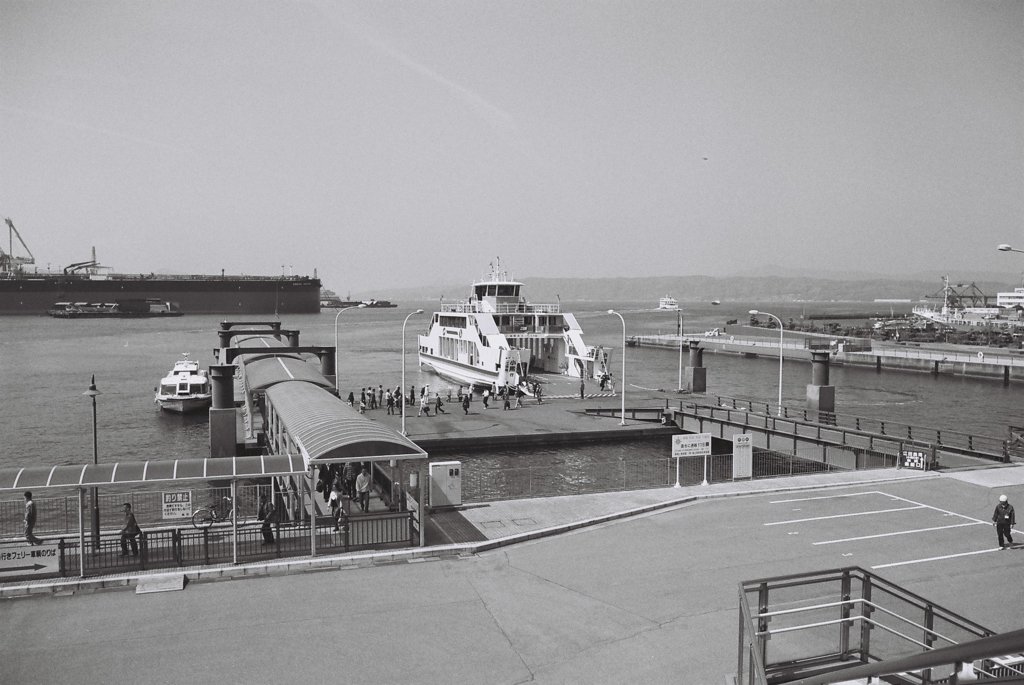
x=825, y=626
x=171, y=547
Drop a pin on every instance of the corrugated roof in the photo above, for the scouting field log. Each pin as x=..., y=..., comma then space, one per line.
x=260, y=374
x=327, y=429
x=128, y=472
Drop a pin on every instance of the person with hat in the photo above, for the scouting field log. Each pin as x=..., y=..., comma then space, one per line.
x=1003, y=518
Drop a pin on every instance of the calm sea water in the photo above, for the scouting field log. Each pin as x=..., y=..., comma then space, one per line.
x=46, y=365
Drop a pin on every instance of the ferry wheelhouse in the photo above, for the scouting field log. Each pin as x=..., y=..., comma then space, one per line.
x=497, y=338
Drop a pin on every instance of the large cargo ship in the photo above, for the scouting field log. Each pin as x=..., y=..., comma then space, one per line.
x=33, y=291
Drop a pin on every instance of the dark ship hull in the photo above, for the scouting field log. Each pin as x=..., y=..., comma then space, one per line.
x=36, y=293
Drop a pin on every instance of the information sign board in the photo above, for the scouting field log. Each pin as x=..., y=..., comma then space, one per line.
x=742, y=456
x=27, y=561
x=691, y=445
x=914, y=460
x=177, y=505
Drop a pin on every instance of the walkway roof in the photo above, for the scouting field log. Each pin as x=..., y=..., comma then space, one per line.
x=260, y=374
x=133, y=472
x=328, y=430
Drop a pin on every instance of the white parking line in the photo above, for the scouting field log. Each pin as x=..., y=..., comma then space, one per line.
x=811, y=499
x=840, y=516
x=901, y=532
x=945, y=556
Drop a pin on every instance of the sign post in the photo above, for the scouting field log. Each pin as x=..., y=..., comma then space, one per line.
x=742, y=456
x=692, y=445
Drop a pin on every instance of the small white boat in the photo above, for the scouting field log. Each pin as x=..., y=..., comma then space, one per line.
x=668, y=303
x=186, y=388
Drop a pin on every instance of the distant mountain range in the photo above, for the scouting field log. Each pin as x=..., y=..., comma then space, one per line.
x=760, y=288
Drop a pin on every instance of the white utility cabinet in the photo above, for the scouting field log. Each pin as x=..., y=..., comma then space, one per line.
x=446, y=484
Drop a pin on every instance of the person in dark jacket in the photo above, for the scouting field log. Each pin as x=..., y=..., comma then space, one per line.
x=1004, y=520
x=129, y=532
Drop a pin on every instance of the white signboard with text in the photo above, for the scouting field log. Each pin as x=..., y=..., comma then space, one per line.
x=692, y=445
x=27, y=561
x=177, y=505
x=742, y=456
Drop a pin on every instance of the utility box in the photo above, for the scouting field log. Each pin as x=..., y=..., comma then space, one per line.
x=446, y=484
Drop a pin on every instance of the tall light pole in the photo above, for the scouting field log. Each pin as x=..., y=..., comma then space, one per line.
x=781, y=331
x=93, y=392
x=623, y=379
x=337, y=375
x=679, y=387
x=402, y=394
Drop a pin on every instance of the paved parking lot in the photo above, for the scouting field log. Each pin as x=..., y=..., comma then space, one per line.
x=650, y=598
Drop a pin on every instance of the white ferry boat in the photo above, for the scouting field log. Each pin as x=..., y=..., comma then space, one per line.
x=497, y=338
x=668, y=303
x=186, y=388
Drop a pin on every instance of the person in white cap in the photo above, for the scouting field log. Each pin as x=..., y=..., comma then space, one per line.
x=1004, y=520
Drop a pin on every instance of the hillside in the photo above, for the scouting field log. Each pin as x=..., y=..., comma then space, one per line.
x=702, y=288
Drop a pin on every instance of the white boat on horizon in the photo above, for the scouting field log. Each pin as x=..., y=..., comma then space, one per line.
x=497, y=338
x=186, y=388
x=668, y=303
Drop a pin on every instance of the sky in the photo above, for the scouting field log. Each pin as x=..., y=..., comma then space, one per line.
x=408, y=143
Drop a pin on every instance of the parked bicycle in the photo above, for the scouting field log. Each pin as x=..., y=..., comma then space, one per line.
x=214, y=512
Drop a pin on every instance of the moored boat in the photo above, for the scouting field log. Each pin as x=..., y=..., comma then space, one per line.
x=186, y=388
x=496, y=338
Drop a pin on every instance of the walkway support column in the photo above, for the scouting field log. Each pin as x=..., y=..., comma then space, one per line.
x=223, y=421
x=821, y=396
x=696, y=374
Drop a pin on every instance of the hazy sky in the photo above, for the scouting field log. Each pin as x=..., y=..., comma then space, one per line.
x=410, y=143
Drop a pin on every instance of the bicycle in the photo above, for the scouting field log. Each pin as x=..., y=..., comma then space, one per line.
x=204, y=517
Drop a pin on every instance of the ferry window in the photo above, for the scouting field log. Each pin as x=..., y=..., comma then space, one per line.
x=506, y=290
x=481, y=290
x=492, y=290
x=515, y=290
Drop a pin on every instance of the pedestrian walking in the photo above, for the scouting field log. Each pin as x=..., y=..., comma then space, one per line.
x=129, y=531
x=465, y=404
x=486, y=396
x=438, y=404
x=1004, y=520
x=519, y=397
x=30, y=520
x=349, y=477
x=351, y=399
x=267, y=514
x=424, y=406
x=507, y=393
x=537, y=391
x=363, y=489
x=391, y=403
x=583, y=386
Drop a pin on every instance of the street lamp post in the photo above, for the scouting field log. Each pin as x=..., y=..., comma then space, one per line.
x=402, y=394
x=337, y=375
x=679, y=387
x=781, y=330
x=93, y=392
x=622, y=381
x=1007, y=248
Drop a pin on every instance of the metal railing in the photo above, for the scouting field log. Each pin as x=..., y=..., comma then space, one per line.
x=892, y=432
x=816, y=625
x=172, y=547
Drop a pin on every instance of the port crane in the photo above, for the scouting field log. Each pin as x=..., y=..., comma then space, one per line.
x=8, y=262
